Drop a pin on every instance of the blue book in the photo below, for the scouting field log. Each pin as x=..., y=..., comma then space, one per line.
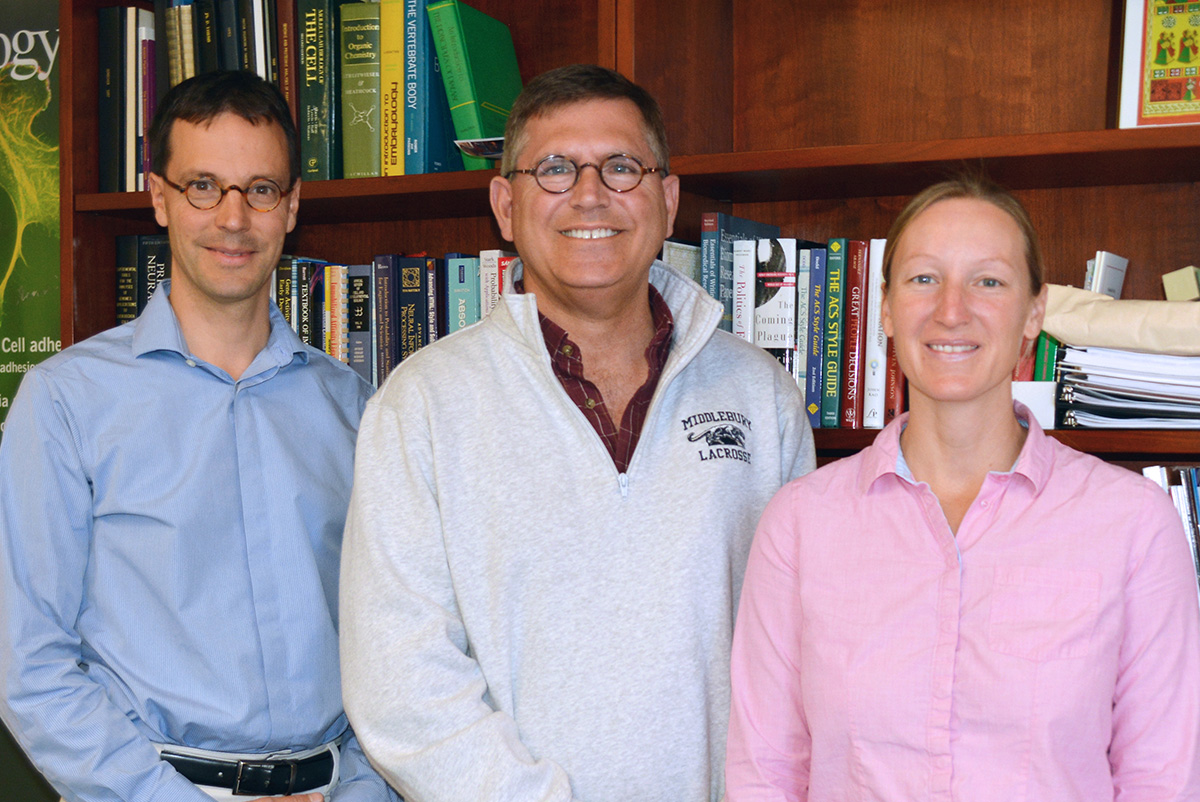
x=386, y=336
x=816, y=336
x=359, y=318
x=428, y=128
x=462, y=291
x=717, y=233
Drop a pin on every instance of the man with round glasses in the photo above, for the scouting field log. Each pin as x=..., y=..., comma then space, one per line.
x=172, y=498
x=552, y=509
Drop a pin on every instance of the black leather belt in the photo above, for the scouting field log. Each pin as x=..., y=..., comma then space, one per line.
x=256, y=777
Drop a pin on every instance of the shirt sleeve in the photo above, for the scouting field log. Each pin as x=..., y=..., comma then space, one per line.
x=1155, y=750
x=415, y=696
x=769, y=748
x=357, y=781
x=86, y=747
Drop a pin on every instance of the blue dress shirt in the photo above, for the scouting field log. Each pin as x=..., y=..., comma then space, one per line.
x=169, y=549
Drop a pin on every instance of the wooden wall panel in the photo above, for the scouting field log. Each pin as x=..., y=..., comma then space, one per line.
x=1153, y=224
x=814, y=73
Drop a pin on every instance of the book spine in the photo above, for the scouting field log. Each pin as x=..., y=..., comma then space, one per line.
x=208, y=56
x=111, y=111
x=147, y=98
x=894, y=397
x=775, y=296
x=154, y=265
x=127, y=278
x=304, y=301
x=229, y=35
x=287, y=37
x=744, y=253
x=462, y=292
x=172, y=17
x=854, y=334
x=1046, y=359
x=360, y=344
x=129, y=104
x=874, y=384
x=360, y=90
x=411, y=314
x=315, y=89
x=336, y=313
x=245, y=34
x=502, y=266
x=392, y=86
x=434, y=318
x=710, y=266
x=815, y=367
x=386, y=333
x=489, y=280
x=835, y=295
x=283, y=290
x=187, y=40
x=800, y=337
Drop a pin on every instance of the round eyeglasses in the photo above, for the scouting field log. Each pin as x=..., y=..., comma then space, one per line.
x=263, y=194
x=619, y=172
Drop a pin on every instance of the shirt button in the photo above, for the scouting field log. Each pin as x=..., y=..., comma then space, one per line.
x=191, y=363
x=590, y=403
x=983, y=503
x=567, y=350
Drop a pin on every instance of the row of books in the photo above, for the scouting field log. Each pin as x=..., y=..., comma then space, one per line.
x=371, y=316
x=365, y=79
x=816, y=307
x=1182, y=483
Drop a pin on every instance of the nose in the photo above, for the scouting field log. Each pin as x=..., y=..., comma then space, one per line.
x=951, y=307
x=233, y=212
x=589, y=190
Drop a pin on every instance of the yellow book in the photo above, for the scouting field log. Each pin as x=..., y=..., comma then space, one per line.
x=391, y=67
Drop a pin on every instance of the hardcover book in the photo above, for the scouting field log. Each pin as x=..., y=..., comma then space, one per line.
x=854, y=333
x=154, y=265
x=428, y=126
x=462, y=291
x=319, y=103
x=110, y=120
x=360, y=342
x=775, y=294
x=874, y=370
x=835, y=296
x=813, y=387
x=127, y=280
x=479, y=71
x=360, y=90
x=391, y=83
x=745, y=256
x=718, y=231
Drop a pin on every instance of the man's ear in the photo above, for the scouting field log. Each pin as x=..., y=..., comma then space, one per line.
x=155, y=184
x=500, y=195
x=293, y=200
x=671, y=196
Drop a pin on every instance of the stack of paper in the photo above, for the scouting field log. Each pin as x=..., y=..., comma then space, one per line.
x=1108, y=388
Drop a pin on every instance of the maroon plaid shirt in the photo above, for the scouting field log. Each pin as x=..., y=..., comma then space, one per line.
x=567, y=360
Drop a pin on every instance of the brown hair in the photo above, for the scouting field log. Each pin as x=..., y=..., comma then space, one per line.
x=204, y=97
x=977, y=188
x=578, y=83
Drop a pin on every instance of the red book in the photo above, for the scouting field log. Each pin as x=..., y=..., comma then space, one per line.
x=505, y=262
x=893, y=399
x=855, y=334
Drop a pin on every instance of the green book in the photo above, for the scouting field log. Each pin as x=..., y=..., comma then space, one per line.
x=479, y=69
x=835, y=315
x=318, y=54
x=360, y=79
x=1046, y=358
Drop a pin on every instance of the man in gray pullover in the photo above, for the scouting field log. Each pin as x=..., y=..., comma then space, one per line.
x=552, y=509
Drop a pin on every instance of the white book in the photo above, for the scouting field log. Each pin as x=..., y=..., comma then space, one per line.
x=684, y=257
x=1109, y=275
x=133, y=94
x=875, y=354
x=803, y=296
x=489, y=279
x=775, y=293
x=744, y=256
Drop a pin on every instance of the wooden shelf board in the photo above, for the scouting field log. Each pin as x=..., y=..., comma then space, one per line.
x=1123, y=444
x=1027, y=161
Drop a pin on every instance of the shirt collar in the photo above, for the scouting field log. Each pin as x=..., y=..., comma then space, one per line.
x=885, y=457
x=157, y=329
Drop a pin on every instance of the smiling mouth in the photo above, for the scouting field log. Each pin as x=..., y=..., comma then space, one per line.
x=953, y=349
x=590, y=233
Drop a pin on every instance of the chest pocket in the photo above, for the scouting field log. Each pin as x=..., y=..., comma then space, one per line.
x=1043, y=613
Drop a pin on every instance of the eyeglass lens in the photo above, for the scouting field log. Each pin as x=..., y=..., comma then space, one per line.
x=263, y=195
x=619, y=173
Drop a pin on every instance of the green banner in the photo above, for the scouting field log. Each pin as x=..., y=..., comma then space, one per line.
x=29, y=226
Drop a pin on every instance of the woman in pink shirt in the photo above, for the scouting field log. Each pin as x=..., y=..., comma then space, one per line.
x=967, y=609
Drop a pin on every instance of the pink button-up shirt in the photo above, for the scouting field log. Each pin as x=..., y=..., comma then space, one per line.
x=1049, y=652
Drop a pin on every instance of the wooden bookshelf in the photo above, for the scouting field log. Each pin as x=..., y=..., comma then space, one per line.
x=821, y=118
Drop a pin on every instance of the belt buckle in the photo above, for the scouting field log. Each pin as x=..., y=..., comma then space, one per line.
x=264, y=772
